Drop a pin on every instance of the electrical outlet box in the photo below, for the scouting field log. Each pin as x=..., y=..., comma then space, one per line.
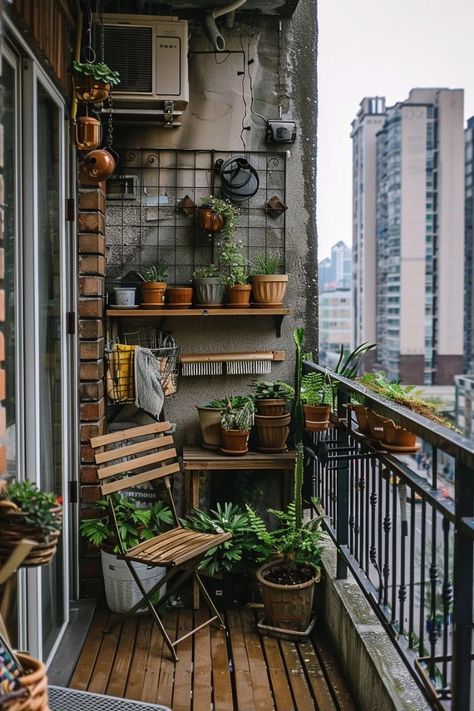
x=280, y=131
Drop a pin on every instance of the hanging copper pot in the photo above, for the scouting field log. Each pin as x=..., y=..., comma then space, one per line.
x=86, y=133
x=98, y=165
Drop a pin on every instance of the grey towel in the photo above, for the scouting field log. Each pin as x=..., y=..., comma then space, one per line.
x=148, y=391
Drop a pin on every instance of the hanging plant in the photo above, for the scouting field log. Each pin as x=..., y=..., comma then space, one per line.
x=93, y=81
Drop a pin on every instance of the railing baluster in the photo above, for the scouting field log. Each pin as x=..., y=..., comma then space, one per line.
x=421, y=645
x=387, y=526
x=402, y=591
x=412, y=581
x=342, y=503
x=447, y=594
x=394, y=577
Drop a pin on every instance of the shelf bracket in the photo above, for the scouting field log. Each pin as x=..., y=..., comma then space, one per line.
x=278, y=322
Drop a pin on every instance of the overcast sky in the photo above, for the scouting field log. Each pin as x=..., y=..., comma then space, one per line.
x=380, y=48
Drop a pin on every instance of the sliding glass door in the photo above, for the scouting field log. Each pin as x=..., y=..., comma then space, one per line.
x=39, y=284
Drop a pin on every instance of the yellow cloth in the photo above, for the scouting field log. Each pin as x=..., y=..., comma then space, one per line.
x=120, y=373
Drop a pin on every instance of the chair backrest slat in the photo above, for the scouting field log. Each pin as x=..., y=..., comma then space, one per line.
x=110, y=454
x=130, y=464
x=131, y=433
x=126, y=483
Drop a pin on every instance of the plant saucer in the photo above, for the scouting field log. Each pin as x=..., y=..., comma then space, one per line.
x=401, y=450
x=233, y=452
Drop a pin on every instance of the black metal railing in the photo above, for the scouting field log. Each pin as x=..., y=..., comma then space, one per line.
x=406, y=534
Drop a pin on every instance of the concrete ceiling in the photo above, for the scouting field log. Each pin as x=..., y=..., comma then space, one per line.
x=283, y=8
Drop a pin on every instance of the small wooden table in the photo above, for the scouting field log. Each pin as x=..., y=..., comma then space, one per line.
x=197, y=460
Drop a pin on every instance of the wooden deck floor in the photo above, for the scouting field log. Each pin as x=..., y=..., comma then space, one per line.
x=241, y=673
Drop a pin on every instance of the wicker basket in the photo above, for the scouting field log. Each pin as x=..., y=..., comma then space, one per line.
x=36, y=682
x=14, y=528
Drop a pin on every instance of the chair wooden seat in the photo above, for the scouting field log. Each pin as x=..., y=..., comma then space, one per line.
x=175, y=547
x=143, y=456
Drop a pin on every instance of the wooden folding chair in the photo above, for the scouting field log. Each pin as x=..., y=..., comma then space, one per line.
x=179, y=550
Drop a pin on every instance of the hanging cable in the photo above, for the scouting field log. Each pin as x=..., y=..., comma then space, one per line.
x=249, y=62
x=244, y=117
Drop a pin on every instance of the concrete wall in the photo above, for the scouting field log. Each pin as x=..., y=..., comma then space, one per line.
x=214, y=120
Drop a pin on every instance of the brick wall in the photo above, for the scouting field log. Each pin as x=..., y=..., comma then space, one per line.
x=91, y=327
x=2, y=292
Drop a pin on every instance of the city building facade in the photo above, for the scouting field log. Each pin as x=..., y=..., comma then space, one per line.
x=417, y=267
x=335, y=325
x=469, y=248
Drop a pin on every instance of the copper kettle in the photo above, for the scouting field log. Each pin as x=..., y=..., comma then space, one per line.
x=86, y=133
x=98, y=165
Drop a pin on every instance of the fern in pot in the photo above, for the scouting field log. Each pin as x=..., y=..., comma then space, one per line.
x=316, y=397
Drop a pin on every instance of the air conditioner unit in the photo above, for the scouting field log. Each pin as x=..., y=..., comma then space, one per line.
x=151, y=55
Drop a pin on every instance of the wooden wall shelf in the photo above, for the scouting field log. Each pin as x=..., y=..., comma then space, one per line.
x=277, y=314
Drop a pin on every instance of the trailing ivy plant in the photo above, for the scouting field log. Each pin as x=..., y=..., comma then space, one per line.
x=135, y=523
x=38, y=506
x=225, y=209
x=98, y=71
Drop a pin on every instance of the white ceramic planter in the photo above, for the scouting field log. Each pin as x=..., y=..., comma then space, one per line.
x=121, y=590
x=125, y=296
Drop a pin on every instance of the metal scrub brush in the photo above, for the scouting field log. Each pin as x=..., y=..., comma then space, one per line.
x=256, y=363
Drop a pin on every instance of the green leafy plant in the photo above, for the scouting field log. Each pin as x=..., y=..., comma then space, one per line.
x=238, y=416
x=297, y=544
x=39, y=506
x=348, y=365
x=237, y=274
x=155, y=272
x=98, y=71
x=267, y=264
x=244, y=546
x=226, y=210
x=272, y=391
x=316, y=389
x=236, y=401
x=209, y=271
x=407, y=395
x=135, y=523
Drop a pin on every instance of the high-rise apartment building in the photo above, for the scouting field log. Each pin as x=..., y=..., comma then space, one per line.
x=417, y=273
x=469, y=249
x=335, y=304
x=366, y=125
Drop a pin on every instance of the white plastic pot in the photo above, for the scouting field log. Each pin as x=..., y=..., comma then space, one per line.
x=121, y=590
x=125, y=296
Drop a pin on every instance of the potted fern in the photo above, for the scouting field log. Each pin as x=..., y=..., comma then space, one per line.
x=236, y=423
x=268, y=285
x=288, y=579
x=153, y=287
x=316, y=396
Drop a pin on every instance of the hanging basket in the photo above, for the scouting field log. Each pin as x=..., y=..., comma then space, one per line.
x=14, y=528
x=35, y=682
x=90, y=90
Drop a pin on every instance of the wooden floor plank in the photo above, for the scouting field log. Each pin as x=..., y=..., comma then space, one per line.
x=182, y=693
x=87, y=659
x=333, y=672
x=166, y=677
x=202, y=665
x=276, y=669
x=105, y=660
x=258, y=669
x=221, y=681
x=123, y=657
x=240, y=664
x=296, y=676
x=316, y=678
x=136, y=678
x=153, y=665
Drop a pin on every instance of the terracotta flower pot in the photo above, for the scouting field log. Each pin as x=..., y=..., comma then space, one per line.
x=90, y=90
x=209, y=221
x=273, y=431
x=316, y=417
x=398, y=436
x=377, y=425
x=361, y=417
x=210, y=421
x=269, y=290
x=234, y=442
x=36, y=682
x=287, y=606
x=270, y=407
x=210, y=292
x=153, y=294
x=239, y=296
x=179, y=297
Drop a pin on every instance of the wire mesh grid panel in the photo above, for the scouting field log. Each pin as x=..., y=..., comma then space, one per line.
x=152, y=210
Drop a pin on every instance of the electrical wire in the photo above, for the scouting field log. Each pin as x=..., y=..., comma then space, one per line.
x=244, y=117
x=250, y=61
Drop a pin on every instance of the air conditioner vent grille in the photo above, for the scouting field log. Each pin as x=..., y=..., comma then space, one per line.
x=129, y=51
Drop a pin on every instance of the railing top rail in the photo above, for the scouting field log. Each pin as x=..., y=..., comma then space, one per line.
x=445, y=439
